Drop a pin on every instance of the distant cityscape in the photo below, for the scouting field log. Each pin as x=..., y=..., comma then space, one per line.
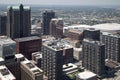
x=59, y=42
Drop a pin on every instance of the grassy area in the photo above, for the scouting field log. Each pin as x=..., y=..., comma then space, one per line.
x=73, y=75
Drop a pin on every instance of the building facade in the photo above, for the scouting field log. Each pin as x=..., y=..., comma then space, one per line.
x=93, y=56
x=52, y=61
x=28, y=45
x=92, y=33
x=30, y=72
x=112, y=46
x=3, y=23
x=18, y=21
x=56, y=27
x=75, y=34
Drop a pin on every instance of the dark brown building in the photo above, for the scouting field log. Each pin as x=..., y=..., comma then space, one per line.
x=28, y=45
x=56, y=27
x=18, y=21
x=47, y=16
x=3, y=22
x=75, y=34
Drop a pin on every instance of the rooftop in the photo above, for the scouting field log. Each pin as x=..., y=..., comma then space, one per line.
x=69, y=67
x=27, y=38
x=6, y=40
x=57, y=44
x=112, y=64
x=17, y=7
x=5, y=74
x=103, y=27
x=86, y=75
x=93, y=42
x=75, y=31
x=32, y=69
x=112, y=35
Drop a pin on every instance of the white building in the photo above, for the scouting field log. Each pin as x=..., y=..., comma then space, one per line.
x=7, y=47
x=86, y=75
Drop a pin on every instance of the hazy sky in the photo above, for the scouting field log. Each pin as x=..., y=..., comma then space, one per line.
x=63, y=2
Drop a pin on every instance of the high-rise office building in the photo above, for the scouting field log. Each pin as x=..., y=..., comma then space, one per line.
x=28, y=45
x=92, y=33
x=30, y=72
x=93, y=56
x=52, y=61
x=47, y=16
x=36, y=58
x=56, y=27
x=112, y=46
x=18, y=21
x=3, y=23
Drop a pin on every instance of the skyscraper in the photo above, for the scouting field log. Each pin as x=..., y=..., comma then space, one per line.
x=93, y=56
x=18, y=21
x=3, y=23
x=47, y=16
x=92, y=33
x=52, y=61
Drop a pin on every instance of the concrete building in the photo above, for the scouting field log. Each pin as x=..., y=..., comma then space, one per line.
x=86, y=75
x=5, y=74
x=56, y=27
x=52, y=60
x=3, y=23
x=112, y=46
x=7, y=47
x=28, y=45
x=75, y=34
x=47, y=16
x=14, y=65
x=18, y=21
x=93, y=56
x=30, y=72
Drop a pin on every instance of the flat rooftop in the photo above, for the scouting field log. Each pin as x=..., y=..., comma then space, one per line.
x=57, y=44
x=5, y=74
x=93, y=42
x=102, y=27
x=6, y=40
x=69, y=66
x=111, y=34
x=31, y=38
x=76, y=31
x=31, y=68
x=86, y=75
